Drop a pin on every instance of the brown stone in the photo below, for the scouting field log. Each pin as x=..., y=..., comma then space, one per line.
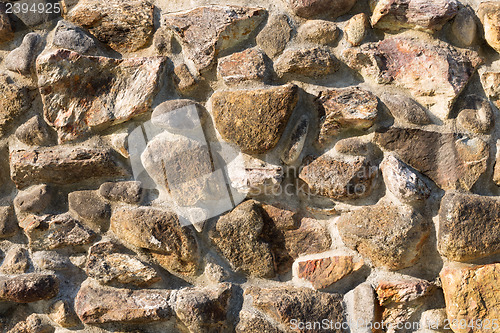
x=476, y=114
x=160, y=232
x=128, y=191
x=472, y=294
x=275, y=35
x=339, y=178
x=96, y=305
x=391, y=236
x=491, y=84
x=16, y=261
x=356, y=29
x=354, y=146
x=254, y=119
x=405, y=108
x=255, y=322
x=124, y=28
x=395, y=15
x=496, y=170
x=295, y=143
x=489, y=14
x=419, y=63
x=27, y=288
x=464, y=29
x=318, y=32
x=35, y=199
x=34, y=323
x=6, y=29
x=345, y=108
x=243, y=66
x=452, y=161
x=324, y=272
x=311, y=62
x=62, y=165
x=13, y=104
x=311, y=237
x=63, y=314
x=185, y=81
x=81, y=93
x=312, y=8
x=88, y=206
x=8, y=222
x=205, y=31
x=33, y=132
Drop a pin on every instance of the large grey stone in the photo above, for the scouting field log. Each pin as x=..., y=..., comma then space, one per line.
x=22, y=59
x=71, y=37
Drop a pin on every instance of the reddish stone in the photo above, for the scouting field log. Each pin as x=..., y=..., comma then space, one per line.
x=243, y=66
x=324, y=272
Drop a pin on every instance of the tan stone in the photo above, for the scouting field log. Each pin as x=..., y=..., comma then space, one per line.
x=489, y=14
x=318, y=32
x=275, y=35
x=310, y=62
x=356, y=29
x=312, y=8
x=324, y=272
x=243, y=66
x=6, y=29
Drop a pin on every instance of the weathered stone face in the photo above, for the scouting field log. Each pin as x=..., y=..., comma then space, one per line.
x=324, y=272
x=476, y=115
x=124, y=88
x=491, y=84
x=8, y=223
x=318, y=31
x=255, y=119
x=128, y=192
x=243, y=66
x=489, y=14
x=14, y=102
x=356, y=29
x=472, y=294
x=255, y=322
x=124, y=28
x=275, y=35
x=90, y=208
x=22, y=59
x=6, y=29
x=311, y=62
x=312, y=8
x=405, y=108
x=33, y=132
x=205, y=31
x=16, y=261
x=27, y=288
x=71, y=37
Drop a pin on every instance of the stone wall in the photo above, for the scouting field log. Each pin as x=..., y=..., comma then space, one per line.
x=253, y=166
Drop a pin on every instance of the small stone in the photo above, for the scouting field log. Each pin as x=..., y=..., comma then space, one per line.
x=243, y=66
x=51, y=260
x=354, y=146
x=339, y=178
x=204, y=309
x=295, y=143
x=391, y=236
x=71, y=37
x=254, y=119
x=129, y=192
x=33, y=132
x=318, y=32
x=395, y=15
x=468, y=226
x=48, y=232
x=184, y=79
x=27, y=288
x=22, y=59
x=489, y=14
x=324, y=272
x=90, y=209
x=34, y=323
x=302, y=304
x=435, y=319
x=106, y=91
x=356, y=29
x=361, y=307
x=16, y=261
x=62, y=165
x=452, y=161
x=464, y=27
x=405, y=108
x=275, y=35
x=491, y=85
x=163, y=41
x=203, y=32
x=496, y=170
x=312, y=8
x=13, y=104
x=255, y=322
x=311, y=62
x=159, y=231
x=97, y=305
x=472, y=294
x=107, y=265
x=180, y=116
x=476, y=114
x=63, y=314
x=6, y=28
x=8, y=222
x=345, y=108
x=406, y=184
x=34, y=200
x=123, y=28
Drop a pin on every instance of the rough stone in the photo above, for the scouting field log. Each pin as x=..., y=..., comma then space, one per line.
x=14, y=102
x=8, y=223
x=406, y=184
x=123, y=28
x=204, y=309
x=395, y=15
x=159, y=231
x=243, y=66
x=128, y=191
x=295, y=143
x=255, y=322
x=185, y=81
x=312, y=8
x=124, y=87
x=180, y=116
x=22, y=59
x=33, y=132
x=476, y=114
x=27, y=288
x=452, y=161
x=324, y=272
x=97, y=305
x=6, y=28
x=391, y=237
x=34, y=323
x=107, y=265
x=419, y=63
x=318, y=32
x=305, y=305
x=34, y=200
x=356, y=29
x=339, y=178
x=361, y=307
x=405, y=108
x=51, y=260
x=163, y=41
x=90, y=209
x=489, y=14
x=254, y=120
x=496, y=170
x=63, y=314
x=16, y=261
x=311, y=62
x=275, y=35
x=48, y=232
x=472, y=294
x=345, y=108
x=491, y=85
x=354, y=146
x=205, y=31
x=71, y=37
x=468, y=226
x=62, y=165
x=464, y=28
